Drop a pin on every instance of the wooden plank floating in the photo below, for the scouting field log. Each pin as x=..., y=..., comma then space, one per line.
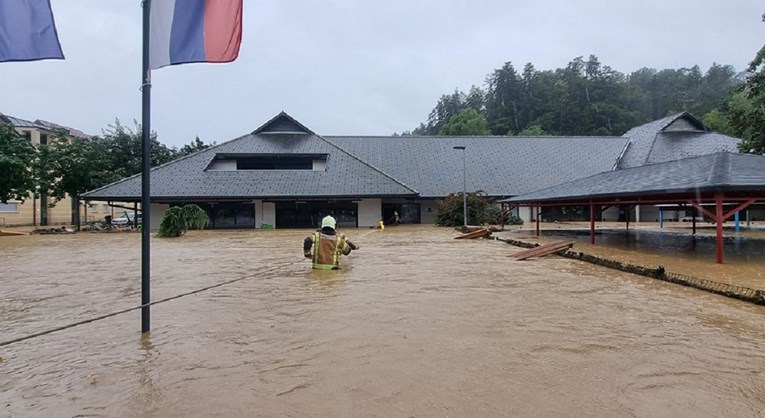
x=478, y=233
x=543, y=250
x=2, y=233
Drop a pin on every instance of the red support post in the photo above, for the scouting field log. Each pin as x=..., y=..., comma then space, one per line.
x=719, y=218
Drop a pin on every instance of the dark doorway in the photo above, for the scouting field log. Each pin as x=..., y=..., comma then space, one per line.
x=309, y=214
x=232, y=215
x=408, y=213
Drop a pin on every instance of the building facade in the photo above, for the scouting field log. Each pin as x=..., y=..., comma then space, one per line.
x=284, y=175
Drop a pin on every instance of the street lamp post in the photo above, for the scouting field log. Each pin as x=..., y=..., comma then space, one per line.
x=464, y=186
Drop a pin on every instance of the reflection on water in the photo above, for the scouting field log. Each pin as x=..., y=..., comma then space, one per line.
x=677, y=250
x=679, y=243
x=415, y=324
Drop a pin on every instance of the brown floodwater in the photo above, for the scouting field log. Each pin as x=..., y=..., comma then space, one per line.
x=416, y=324
x=675, y=248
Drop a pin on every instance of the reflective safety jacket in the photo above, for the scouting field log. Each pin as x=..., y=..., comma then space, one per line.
x=327, y=250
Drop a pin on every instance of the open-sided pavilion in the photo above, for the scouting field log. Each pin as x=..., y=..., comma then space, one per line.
x=719, y=179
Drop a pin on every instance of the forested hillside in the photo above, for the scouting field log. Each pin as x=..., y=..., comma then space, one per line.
x=584, y=98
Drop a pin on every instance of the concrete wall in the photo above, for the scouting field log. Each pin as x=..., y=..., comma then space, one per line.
x=223, y=165
x=428, y=211
x=369, y=212
x=526, y=213
x=646, y=213
x=265, y=213
x=610, y=215
x=157, y=211
x=28, y=213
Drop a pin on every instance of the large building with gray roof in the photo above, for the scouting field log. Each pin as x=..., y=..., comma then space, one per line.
x=284, y=175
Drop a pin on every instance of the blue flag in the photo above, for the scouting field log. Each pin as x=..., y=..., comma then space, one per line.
x=185, y=31
x=27, y=31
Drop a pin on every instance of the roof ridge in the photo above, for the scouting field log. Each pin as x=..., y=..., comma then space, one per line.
x=479, y=136
x=282, y=114
x=210, y=148
x=670, y=120
x=720, y=170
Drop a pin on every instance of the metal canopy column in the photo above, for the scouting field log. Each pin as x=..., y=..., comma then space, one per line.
x=693, y=220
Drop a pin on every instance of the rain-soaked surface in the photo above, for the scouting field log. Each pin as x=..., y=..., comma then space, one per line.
x=415, y=325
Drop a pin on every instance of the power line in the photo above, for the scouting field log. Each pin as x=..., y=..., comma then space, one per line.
x=156, y=302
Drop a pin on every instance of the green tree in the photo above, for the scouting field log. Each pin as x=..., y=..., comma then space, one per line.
x=717, y=120
x=585, y=98
x=44, y=178
x=747, y=111
x=504, y=100
x=194, y=146
x=737, y=111
x=449, y=106
x=124, y=150
x=78, y=165
x=533, y=130
x=16, y=158
x=467, y=122
x=716, y=87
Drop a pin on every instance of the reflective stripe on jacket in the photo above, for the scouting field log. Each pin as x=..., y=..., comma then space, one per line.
x=327, y=250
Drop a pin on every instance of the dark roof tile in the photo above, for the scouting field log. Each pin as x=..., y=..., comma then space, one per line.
x=190, y=177
x=671, y=138
x=499, y=166
x=697, y=174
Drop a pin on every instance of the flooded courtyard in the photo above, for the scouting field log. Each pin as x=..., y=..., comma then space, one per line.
x=416, y=324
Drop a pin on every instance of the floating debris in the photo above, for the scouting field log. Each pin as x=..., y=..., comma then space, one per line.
x=47, y=231
x=543, y=250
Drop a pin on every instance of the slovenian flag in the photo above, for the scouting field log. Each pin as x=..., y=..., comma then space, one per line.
x=185, y=31
x=27, y=31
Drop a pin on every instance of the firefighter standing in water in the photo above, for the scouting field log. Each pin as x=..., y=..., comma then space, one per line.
x=327, y=246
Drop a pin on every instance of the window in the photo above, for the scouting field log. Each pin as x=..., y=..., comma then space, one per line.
x=231, y=162
x=9, y=207
x=274, y=163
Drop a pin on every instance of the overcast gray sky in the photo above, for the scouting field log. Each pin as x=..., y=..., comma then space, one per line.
x=345, y=67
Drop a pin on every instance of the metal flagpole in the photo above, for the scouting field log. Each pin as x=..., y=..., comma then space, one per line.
x=464, y=186
x=145, y=174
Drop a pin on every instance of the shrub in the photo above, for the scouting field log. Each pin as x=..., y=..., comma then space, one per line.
x=480, y=210
x=179, y=219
